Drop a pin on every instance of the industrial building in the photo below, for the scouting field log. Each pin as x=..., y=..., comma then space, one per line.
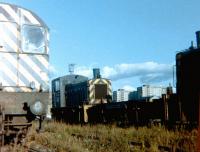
x=147, y=92
x=121, y=95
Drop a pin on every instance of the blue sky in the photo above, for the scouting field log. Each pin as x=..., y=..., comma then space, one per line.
x=132, y=42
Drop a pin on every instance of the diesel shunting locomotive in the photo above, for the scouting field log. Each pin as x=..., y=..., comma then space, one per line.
x=24, y=61
x=72, y=95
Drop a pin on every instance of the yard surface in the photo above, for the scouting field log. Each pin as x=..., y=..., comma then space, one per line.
x=60, y=137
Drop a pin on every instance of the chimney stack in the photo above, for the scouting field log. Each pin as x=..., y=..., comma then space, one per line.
x=198, y=38
x=96, y=73
x=71, y=69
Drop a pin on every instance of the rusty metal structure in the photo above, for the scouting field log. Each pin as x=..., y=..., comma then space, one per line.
x=162, y=111
x=188, y=82
x=24, y=80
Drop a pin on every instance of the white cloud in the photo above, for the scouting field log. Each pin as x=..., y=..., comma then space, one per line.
x=52, y=71
x=128, y=88
x=83, y=70
x=147, y=72
x=108, y=71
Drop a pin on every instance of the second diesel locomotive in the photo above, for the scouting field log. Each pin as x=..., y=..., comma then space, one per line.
x=73, y=95
x=75, y=90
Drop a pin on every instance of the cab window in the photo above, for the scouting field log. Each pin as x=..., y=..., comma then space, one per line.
x=57, y=85
x=33, y=39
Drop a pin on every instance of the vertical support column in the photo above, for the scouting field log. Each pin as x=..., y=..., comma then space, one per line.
x=1, y=131
x=198, y=120
x=85, y=114
x=165, y=104
x=198, y=139
x=2, y=118
x=137, y=119
x=3, y=121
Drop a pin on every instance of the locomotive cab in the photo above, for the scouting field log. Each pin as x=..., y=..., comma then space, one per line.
x=24, y=58
x=24, y=61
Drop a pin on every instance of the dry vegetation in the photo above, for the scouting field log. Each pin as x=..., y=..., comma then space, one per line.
x=60, y=137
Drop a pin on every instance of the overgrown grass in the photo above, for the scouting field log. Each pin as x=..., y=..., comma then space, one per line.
x=60, y=137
